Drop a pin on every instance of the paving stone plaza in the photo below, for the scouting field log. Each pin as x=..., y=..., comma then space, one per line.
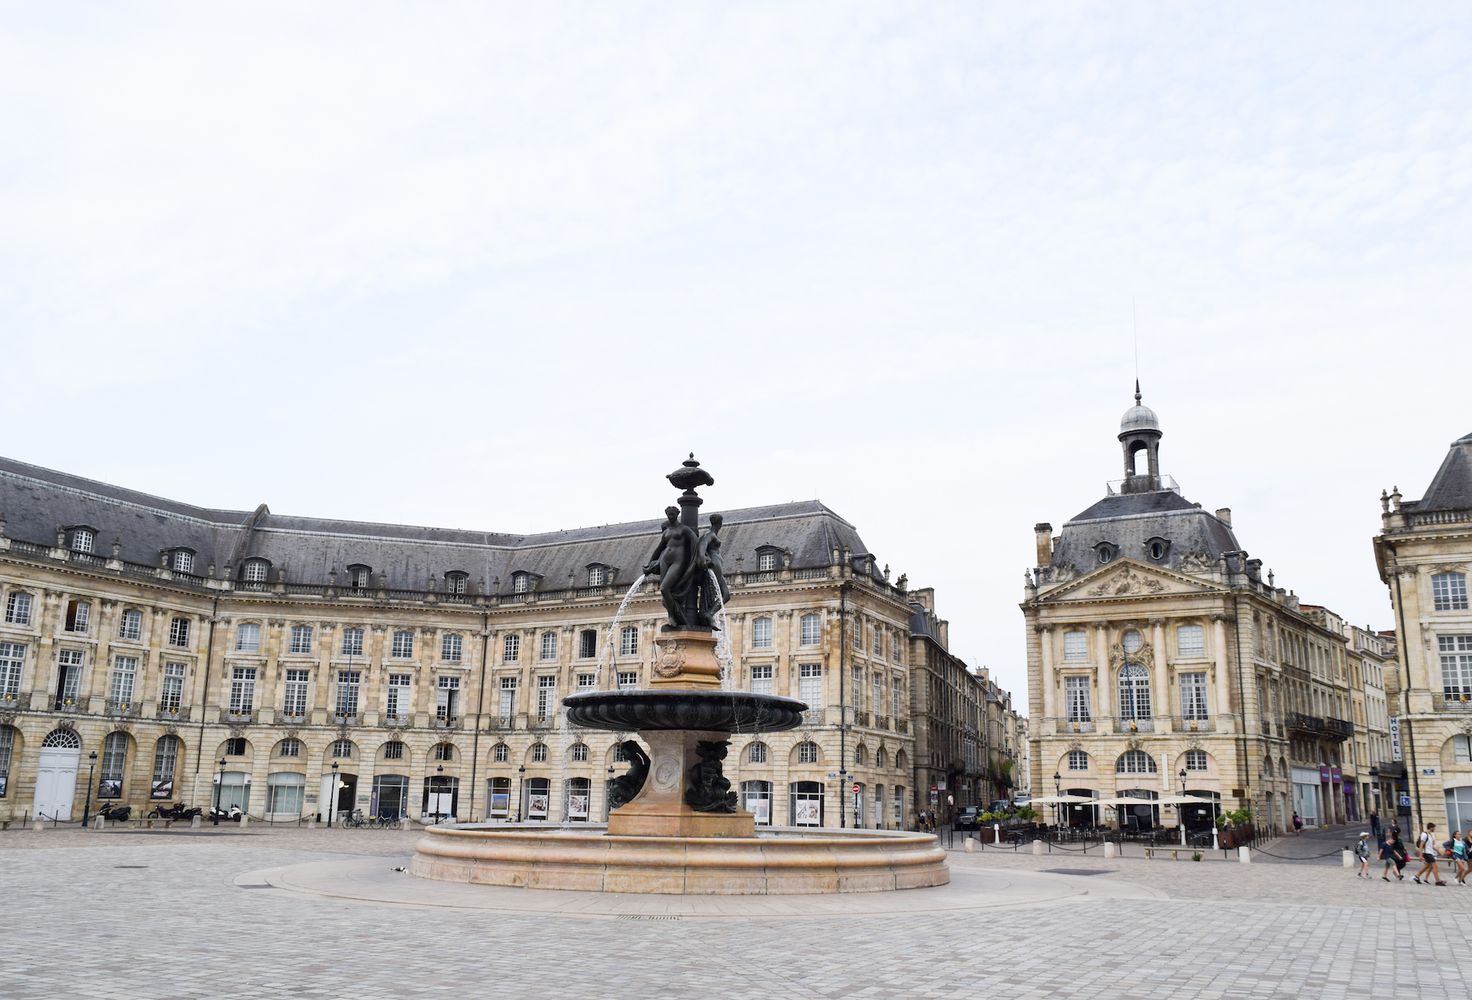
x=195, y=914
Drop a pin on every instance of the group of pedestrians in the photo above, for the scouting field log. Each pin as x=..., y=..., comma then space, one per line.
x=1393, y=851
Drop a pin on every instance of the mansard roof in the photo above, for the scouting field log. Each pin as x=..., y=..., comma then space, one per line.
x=36, y=501
x=1451, y=488
x=1129, y=521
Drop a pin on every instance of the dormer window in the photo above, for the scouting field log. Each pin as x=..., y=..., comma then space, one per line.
x=1158, y=549
x=598, y=575
x=768, y=558
x=1106, y=551
x=360, y=577
x=456, y=582
x=521, y=583
x=81, y=539
x=255, y=570
x=183, y=561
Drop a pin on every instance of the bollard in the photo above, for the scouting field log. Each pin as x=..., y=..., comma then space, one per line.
x=1038, y=847
x=997, y=834
x=38, y=825
x=98, y=823
x=1111, y=849
x=970, y=846
x=1244, y=855
x=1347, y=858
x=196, y=822
x=244, y=820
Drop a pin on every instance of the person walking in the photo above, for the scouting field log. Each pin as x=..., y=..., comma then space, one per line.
x=1426, y=845
x=1393, y=856
x=1362, y=852
x=1297, y=823
x=1375, y=829
x=1459, y=856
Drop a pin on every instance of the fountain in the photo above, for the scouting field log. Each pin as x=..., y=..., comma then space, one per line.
x=674, y=824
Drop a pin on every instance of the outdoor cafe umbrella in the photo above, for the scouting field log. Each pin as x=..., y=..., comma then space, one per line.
x=1061, y=800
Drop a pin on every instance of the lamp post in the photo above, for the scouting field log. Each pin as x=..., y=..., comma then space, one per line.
x=219, y=787
x=842, y=786
x=87, y=808
x=520, y=783
x=1181, y=807
x=1058, y=792
x=332, y=798
x=439, y=780
x=608, y=794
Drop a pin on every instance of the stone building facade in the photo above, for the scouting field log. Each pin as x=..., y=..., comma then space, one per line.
x=1163, y=663
x=1424, y=554
x=301, y=667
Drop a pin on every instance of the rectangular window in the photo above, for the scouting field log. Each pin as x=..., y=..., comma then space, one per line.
x=403, y=645
x=447, y=699
x=856, y=687
x=18, y=609
x=510, y=648
x=587, y=644
x=1076, y=697
x=810, y=630
x=1191, y=640
x=77, y=615
x=1193, y=695
x=628, y=641
x=878, y=648
x=70, y=677
x=895, y=645
x=1078, y=760
x=242, y=690
x=295, y=704
x=347, y=691
x=130, y=625
x=1076, y=645
x=548, y=648
x=12, y=658
x=878, y=687
x=301, y=639
x=761, y=679
x=124, y=670
x=172, y=695
x=628, y=679
x=399, y=688
x=247, y=638
x=452, y=647
x=586, y=682
x=179, y=632
x=810, y=684
x=897, y=696
x=1449, y=591
x=761, y=633
x=508, y=698
x=352, y=642
x=1456, y=665
x=546, y=696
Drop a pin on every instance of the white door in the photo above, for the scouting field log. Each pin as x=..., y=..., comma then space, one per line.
x=56, y=782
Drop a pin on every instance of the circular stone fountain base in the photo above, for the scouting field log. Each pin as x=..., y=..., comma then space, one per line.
x=789, y=862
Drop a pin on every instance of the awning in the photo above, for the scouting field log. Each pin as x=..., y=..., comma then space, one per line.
x=1061, y=800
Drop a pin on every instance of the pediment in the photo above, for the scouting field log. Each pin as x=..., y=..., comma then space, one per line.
x=1126, y=578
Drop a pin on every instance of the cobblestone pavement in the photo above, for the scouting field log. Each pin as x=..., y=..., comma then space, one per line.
x=85, y=920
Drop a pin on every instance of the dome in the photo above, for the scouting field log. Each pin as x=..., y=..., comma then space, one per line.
x=1138, y=418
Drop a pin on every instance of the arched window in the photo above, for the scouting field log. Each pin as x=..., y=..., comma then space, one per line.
x=114, y=763
x=7, y=749
x=165, y=762
x=360, y=577
x=255, y=570
x=289, y=747
x=1195, y=760
x=1462, y=749
x=597, y=575
x=1078, y=760
x=1157, y=549
x=457, y=582
x=761, y=633
x=1106, y=552
x=443, y=751
x=82, y=539
x=881, y=759
x=235, y=746
x=1134, y=692
x=1134, y=762
x=900, y=760
x=628, y=641
x=539, y=753
x=500, y=753
x=547, y=649
x=807, y=752
x=62, y=739
x=580, y=753
x=393, y=750
x=756, y=753
x=861, y=755
x=183, y=561
x=810, y=630
x=342, y=749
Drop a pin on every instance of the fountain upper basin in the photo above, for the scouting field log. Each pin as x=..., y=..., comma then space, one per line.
x=704, y=711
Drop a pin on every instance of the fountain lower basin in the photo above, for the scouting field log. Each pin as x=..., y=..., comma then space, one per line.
x=787, y=861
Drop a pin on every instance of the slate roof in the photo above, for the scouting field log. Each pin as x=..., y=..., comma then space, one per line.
x=1451, y=487
x=1129, y=520
x=37, y=501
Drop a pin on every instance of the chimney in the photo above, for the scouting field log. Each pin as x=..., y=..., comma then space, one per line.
x=1224, y=514
x=1043, y=532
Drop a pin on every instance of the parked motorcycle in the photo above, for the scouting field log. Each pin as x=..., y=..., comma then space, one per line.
x=217, y=814
x=115, y=814
x=176, y=811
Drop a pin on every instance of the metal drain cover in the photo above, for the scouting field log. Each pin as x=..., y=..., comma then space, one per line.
x=130, y=866
x=263, y=885
x=646, y=916
x=1077, y=871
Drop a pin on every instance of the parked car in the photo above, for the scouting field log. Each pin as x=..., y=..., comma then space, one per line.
x=966, y=818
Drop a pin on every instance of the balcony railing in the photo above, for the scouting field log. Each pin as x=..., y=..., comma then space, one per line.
x=287, y=716
x=1452, y=701
x=447, y=722
x=397, y=721
x=1136, y=725
x=1194, y=724
x=17, y=701
x=501, y=722
x=243, y=716
x=344, y=718
x=1078, y=725
x=861, y=718
x=122, y=709
x=177, y=714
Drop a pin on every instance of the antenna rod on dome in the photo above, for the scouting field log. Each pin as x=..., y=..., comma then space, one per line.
x=1135, y=329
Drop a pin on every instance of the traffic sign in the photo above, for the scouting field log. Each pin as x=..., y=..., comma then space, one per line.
x=856, y=788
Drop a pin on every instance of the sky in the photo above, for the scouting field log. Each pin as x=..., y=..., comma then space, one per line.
x=501, y=266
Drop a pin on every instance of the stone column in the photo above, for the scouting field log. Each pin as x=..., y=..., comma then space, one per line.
x=1100, y=653
x=1162, y=704
x=1045, y=648
x=1223, y=683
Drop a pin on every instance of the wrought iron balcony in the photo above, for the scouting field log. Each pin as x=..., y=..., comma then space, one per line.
x=122, y=709
x=397, y=721
x=447, y=722
x=240, y=716
x=178, y=713
x=1194, y=724
x=17, y=701
x=1135, y=725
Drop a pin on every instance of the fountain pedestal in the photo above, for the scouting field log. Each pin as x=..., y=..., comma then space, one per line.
x=686, y=659
x=660, y=809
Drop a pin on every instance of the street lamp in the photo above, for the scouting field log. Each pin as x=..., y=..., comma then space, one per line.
x=842, y=784
x=608, y=794
x=1058, y=792
x=332, y=799
x=520, y=782
x=439, y=774
x=1181, y=808
x=87, y=809
x=219, y=786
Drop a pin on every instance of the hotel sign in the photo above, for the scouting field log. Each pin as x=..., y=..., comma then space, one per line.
x=1395, y=738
